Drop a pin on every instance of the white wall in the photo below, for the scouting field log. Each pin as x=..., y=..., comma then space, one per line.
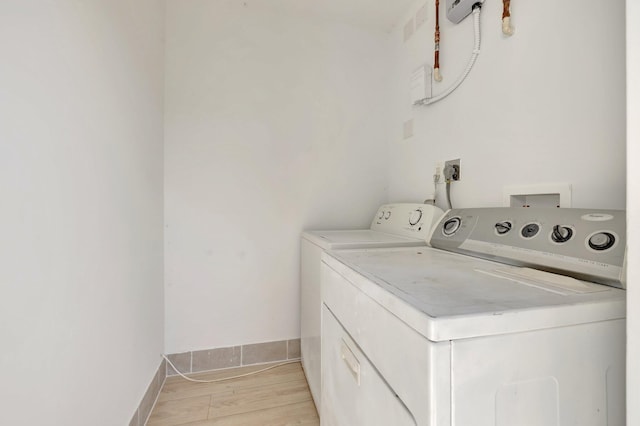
x=81, y=209
x=633, y=212
x=546, y=105
x=274, y=123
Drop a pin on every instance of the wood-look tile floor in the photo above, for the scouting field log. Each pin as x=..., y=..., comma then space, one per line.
x=276, y=397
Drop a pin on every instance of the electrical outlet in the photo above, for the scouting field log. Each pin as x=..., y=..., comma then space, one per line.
x=452, y=170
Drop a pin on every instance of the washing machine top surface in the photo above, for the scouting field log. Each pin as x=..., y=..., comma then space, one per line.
x=358, y=238
x=393, y=225
x=446, y=295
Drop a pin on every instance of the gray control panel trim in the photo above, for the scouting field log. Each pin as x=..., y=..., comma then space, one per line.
x=594, y=249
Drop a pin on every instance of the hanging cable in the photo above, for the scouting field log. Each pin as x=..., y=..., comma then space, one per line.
x=507, y=29
x=448, y=190
x=472, y=61
x=436, y=51
x=436, y=179
x=251, y=373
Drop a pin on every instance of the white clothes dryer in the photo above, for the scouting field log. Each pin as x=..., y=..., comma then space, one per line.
x=512, y=317
x=394, y=225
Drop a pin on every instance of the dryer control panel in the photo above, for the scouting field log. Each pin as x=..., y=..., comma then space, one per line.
x=582, y=243
x=407, y=219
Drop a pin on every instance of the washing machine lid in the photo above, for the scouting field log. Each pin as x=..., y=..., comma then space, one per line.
x=448, y=296
x=359, y=238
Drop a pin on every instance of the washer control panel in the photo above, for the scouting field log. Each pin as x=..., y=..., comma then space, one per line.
x=407, y=219
x=585, y=244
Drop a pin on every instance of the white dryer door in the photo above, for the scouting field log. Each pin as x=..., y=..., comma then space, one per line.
x=353, y=393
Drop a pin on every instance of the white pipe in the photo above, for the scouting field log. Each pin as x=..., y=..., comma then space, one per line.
x=467, y=70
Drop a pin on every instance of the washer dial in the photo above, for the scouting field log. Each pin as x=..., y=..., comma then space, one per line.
x=415, y=217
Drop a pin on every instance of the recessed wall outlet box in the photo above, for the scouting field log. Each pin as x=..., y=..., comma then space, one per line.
x=457, y=10
x=421, y=84
x=552, y=195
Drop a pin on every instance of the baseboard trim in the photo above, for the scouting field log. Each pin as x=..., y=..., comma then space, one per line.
x=141, y=415
x=233, y=356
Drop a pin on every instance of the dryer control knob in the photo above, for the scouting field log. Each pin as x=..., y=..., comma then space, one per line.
x=561, y=234
x=451, y=226
x=503, y=227
x=530, y=230
x=602, y=241
x=415, y=217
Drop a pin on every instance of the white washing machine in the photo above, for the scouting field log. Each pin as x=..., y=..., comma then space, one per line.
x=394, y=225
x=442, y=336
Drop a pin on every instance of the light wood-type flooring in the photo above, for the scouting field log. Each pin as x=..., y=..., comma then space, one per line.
x=276, y=397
